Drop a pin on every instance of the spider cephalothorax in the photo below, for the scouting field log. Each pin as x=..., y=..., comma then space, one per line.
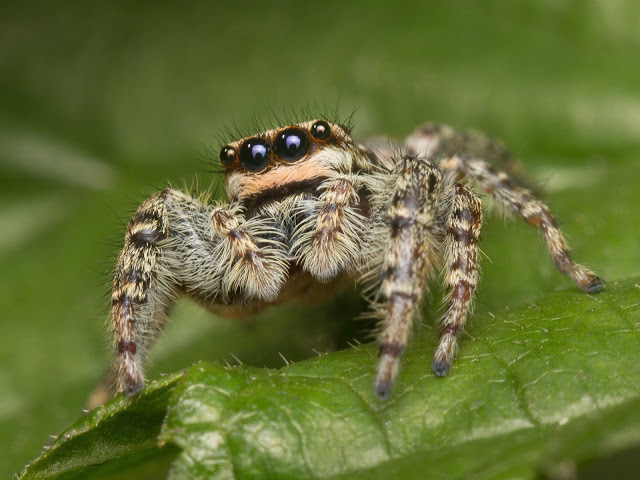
x=307, y=207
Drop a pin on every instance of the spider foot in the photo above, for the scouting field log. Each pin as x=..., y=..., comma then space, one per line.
x=131, y=379
x=387, y=373
x=595, y=286
x=134, y=388
x=443, y=358
x=440, y=368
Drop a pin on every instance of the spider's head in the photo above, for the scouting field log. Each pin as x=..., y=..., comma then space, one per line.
x=287, y=160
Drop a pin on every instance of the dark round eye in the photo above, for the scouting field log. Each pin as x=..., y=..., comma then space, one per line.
x=254, y=154
x=291, y=144
x=321, y=130
x=227, y=155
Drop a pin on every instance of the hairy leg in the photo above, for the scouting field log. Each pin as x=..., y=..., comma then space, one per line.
x=408, y=257
x=533, y=211
x=463, y=220
x=176, y=244
x=442, y=141
x=471, y=155
x=139, y=302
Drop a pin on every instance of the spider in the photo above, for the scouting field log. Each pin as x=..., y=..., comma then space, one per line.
x=307, y=208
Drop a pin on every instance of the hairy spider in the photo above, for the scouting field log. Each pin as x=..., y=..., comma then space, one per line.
x=308, y=207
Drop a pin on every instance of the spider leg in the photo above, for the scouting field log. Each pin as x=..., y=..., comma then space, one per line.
x=463, y=221
x=530, y=209
x=442, y=141
x=330, y=240
x=410, y=252
x=175, y=244
x=463, y=157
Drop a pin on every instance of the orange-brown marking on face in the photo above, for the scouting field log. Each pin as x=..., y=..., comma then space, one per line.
x=242, y=186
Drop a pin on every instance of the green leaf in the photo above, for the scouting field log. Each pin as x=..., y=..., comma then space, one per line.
x=123, y=432
x=538, y=385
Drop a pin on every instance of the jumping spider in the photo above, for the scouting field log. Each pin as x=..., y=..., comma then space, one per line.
x=308, y=207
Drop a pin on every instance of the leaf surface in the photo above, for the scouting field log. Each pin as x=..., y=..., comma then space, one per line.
x=538, y=383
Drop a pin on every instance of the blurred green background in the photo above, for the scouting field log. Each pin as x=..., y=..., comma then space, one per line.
x=101, y=105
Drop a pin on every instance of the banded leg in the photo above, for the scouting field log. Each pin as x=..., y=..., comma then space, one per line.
x=533, y=211
x=471, y=155
x=139, y=303
x=462, y=228
x=176, y=244
x=442, y=141
x=411, y=251
x=332, y=239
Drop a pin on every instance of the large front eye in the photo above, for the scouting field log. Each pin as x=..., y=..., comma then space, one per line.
x=320, y=130
x=291, y=144
x=254, y=154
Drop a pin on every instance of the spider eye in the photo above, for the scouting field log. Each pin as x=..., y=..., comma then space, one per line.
x=321, y=130
x=254, y=154
x=291, y=144
x=227, y=155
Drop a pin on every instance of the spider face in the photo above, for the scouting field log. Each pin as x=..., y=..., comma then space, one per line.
x=285, y=160
x=308, y=206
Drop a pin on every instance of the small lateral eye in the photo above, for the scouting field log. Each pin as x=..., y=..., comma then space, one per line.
x=227, y=155
x=291, y=144
x=320, y=130
x=254, y=154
